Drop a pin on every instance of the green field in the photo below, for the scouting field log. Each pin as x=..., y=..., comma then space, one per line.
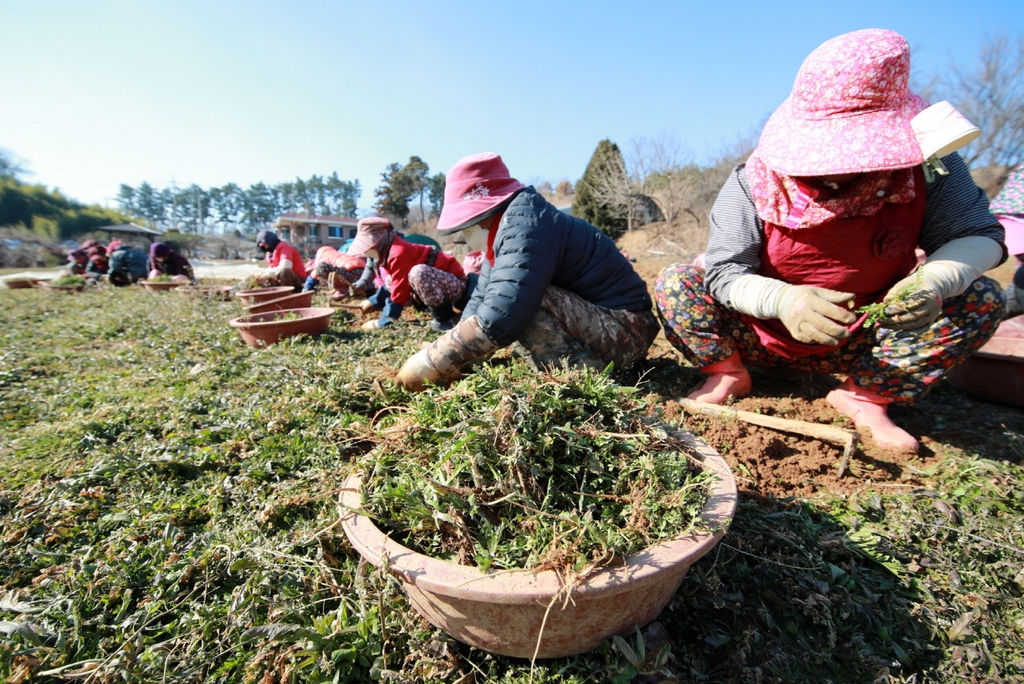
x=168, y=513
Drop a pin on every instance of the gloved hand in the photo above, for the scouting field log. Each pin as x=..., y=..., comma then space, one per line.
x=444, y=359
x=366, y=306
x=811, y=314
x=381, y=322
x=912, y=304
x=949, y=271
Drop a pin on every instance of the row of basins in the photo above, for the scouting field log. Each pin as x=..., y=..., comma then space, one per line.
x=274, y=313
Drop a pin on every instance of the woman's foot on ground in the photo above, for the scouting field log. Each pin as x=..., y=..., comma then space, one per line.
x=720, y=386
x=868, y=412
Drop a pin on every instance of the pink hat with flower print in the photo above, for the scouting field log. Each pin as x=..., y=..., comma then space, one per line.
x=475, y=188
x=370, y=232
x=849, y=111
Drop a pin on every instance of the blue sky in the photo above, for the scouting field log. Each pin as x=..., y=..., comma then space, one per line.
x=102, y=92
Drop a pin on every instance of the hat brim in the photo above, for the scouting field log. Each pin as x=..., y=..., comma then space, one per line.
x=458, y=216
x=855, y=142
x=363, y=242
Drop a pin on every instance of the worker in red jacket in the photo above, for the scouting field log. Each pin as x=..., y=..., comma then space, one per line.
x=411, y=274
x=285, y=262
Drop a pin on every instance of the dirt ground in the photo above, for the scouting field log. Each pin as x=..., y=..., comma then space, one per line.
x=776, y=464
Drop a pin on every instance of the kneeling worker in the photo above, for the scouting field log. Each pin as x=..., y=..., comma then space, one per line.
x=552, y=286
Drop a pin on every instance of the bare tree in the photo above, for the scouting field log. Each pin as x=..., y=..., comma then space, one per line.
x=992, y=97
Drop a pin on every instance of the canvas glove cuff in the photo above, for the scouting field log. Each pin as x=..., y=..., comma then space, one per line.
x=444, y=359
x=812, y=315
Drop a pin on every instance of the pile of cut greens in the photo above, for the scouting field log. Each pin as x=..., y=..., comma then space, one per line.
x=514, y=469
x=69, y=281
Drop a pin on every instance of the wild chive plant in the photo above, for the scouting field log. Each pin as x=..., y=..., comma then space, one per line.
x=514, y=469
x=876, y=311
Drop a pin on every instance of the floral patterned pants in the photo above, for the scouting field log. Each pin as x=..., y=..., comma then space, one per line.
x=896, y=364
x=435, y=287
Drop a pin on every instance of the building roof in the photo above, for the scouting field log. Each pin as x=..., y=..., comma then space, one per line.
x=309, y=218
x=130, y=228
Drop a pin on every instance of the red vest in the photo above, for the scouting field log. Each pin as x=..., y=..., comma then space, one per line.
x=865, y=255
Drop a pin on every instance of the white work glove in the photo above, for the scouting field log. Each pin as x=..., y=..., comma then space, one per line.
x=948, y=272
x=811, y=314
x=371, y=325
x=366, y=306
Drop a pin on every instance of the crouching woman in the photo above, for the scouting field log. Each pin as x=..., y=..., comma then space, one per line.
x=410, y=273
x=823, y=220
x=552, y=286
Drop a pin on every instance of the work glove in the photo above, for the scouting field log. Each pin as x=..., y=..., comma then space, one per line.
x=811, y=314
x=366, y=306
x=443, y=360
x=911, y=304
x=916, y=301
x=376, y=323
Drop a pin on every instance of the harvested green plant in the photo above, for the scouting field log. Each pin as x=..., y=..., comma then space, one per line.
x=876, y=311
x=514, y=469
x=69, y=281
x=162, y=278
x=289, y=316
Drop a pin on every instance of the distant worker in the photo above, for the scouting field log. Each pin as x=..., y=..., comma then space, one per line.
x=552, y=286
x=126, y=265
x=338, y=269
x=165, y=261
x=286, y=266
x=78, y=260
x=410, y=274
x=99, y=262
x=823, y=221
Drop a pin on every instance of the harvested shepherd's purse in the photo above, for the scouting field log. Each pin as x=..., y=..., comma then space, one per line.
x=514, y=469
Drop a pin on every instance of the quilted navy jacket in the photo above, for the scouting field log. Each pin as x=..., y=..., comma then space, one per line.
x=537, y=245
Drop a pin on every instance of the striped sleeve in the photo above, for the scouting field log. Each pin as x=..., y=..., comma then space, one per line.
x=955, y=207
x=736, y=235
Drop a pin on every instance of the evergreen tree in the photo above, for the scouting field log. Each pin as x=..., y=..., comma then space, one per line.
x=435, y=186
x=394, y=193
x=417, y=172
x=594, y=192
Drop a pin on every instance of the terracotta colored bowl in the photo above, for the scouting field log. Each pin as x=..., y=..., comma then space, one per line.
x=19, y=283
x=263, y=329
x=503, y=611
x=298, y=300
x=996, y=371
x=155, y=286
x=262, y=294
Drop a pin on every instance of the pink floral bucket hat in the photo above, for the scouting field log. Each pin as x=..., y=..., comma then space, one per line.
x=475, y=188
x=370, y=232
x=849, y=111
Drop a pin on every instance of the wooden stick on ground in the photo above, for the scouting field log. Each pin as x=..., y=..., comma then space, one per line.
x=845, y=438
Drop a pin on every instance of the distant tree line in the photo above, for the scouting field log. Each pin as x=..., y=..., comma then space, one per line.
x=46, y=214
x=197, y=210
